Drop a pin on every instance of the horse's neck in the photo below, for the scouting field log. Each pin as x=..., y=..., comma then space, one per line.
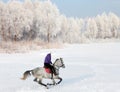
x=56, y=66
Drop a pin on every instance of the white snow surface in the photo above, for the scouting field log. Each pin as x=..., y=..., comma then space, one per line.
x=89, y=68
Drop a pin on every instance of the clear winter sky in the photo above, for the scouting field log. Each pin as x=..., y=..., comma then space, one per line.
x=86, y=8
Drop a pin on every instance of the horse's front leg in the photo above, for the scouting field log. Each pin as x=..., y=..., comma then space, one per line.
x=60, y=80
x=54, y=83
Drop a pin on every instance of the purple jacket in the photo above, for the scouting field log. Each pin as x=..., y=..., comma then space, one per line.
x=48, y=59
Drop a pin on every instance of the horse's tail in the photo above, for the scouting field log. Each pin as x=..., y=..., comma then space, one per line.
x=26, y=74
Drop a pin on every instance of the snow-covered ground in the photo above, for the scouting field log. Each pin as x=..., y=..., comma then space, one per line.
x=89, y=68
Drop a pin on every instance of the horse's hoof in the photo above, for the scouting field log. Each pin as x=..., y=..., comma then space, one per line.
x=35, y=80
x=55, y=84
x=47, y=87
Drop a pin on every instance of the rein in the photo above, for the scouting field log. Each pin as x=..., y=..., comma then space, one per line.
x=57, y=66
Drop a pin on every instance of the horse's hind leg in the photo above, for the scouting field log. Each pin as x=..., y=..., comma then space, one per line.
x=35, y=80
x=40, y=82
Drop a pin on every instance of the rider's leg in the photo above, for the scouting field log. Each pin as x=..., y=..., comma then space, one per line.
x=51, y=68
x=52, y=72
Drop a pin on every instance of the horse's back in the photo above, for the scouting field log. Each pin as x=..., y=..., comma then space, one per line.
x=38, y=70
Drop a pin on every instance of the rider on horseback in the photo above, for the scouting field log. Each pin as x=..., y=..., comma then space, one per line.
x=48, y=64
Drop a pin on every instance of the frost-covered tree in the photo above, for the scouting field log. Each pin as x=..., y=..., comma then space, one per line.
x=73, y=31
x=2, y=7
x=19, y=21
x=114, y=24
x=91, y=29
x=47, y=21
x=100, y=24
x=28, y=32
x=41, y=20
x=106, y=33
x=64, y=28
x=4, y=21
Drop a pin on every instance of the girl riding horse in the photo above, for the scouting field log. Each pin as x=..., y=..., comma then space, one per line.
x=39, y=73
x=48, y=64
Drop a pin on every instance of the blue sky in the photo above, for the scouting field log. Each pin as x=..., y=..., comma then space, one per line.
x=86, y=8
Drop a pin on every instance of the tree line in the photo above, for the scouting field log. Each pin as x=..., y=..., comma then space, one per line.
x=42, y=21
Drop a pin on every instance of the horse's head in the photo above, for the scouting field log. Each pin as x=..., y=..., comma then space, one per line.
x=59, y=63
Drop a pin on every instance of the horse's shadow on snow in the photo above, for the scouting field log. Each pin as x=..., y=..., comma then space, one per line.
x=76, y=79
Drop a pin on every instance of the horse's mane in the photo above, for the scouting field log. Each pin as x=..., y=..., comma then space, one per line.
x=56, y=59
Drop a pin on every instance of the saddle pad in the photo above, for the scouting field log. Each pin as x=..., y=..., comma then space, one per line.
x=48, y=70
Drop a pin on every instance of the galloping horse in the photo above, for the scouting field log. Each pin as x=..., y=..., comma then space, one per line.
x=39, y=73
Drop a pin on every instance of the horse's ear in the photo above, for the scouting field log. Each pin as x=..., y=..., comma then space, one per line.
x=61, y=59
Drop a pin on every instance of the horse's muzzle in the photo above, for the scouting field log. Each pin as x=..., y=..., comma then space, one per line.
x=63, y=66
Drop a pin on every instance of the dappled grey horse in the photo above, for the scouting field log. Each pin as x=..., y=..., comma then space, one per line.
x=39, y=73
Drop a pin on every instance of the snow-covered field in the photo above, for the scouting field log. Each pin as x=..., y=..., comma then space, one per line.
x=89, y=68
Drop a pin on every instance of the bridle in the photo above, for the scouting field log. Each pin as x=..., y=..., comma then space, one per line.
x=61, y=62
